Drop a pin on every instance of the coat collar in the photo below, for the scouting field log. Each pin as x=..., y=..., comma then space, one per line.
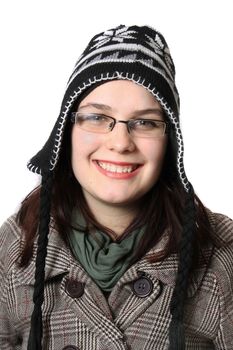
x=60, y=259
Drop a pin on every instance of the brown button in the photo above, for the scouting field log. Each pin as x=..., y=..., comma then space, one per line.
x=74, y=288
x=70, y=347
x=142, y=287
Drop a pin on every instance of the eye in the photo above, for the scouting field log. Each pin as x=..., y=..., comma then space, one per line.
x=147, y=124
x=93, y=118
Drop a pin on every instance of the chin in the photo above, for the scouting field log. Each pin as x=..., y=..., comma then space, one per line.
x=119, y=200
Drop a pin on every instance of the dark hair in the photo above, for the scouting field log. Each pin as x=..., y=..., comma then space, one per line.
x=162, y=208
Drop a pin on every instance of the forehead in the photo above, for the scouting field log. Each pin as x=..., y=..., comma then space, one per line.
x=121, y=94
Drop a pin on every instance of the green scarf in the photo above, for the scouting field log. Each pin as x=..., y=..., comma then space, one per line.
x=104, y=260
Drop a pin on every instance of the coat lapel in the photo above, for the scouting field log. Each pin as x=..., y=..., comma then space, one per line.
x=127, y=307
x=123, y=306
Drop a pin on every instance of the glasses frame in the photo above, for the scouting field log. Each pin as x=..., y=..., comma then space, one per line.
x=74, y=116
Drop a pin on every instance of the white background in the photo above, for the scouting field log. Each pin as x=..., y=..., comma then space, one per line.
x=40, y=43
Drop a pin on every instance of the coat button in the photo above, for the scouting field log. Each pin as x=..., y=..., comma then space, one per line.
x=74, y=288
x=142, y=287
x=70, y=347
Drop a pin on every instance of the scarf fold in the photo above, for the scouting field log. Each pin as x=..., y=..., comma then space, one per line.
x=104, y=260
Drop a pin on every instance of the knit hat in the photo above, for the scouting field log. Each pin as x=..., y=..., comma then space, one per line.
x=140, y=55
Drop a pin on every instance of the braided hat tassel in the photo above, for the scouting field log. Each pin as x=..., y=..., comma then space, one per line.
x=176, y=330
x=36, y=331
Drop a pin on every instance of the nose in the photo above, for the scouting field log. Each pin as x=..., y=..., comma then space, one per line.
x=119, y=139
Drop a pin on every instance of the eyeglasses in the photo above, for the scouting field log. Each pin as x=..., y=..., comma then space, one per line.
x=102, y=124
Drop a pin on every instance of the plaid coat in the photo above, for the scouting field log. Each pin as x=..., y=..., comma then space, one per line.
x=83, y=319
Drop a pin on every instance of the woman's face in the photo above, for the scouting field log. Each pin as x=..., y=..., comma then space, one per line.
x=116, y=168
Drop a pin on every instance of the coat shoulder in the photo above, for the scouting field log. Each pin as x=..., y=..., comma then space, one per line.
x=222, y=227
x=10, y=242
x=222, y=259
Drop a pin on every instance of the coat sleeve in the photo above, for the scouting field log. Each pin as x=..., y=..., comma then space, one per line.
x=223, y=268
x=9, y=340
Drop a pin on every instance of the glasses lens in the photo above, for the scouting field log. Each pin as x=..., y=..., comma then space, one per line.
x=147, y=128
x=93, y=122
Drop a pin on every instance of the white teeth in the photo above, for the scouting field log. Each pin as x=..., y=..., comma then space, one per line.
x=117, y=168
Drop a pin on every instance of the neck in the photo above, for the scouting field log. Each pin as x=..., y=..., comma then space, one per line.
x=116, y=218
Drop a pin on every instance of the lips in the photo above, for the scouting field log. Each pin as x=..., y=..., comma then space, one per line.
x=118, y=170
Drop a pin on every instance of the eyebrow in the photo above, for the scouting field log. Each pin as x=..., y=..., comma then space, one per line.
x=137, y=113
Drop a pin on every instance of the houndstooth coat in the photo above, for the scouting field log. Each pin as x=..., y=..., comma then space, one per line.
x=77, y=316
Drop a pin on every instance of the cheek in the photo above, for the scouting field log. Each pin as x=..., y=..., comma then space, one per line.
x=154, y=151
x=82, y=142
x=87, y=139
x=81, y=138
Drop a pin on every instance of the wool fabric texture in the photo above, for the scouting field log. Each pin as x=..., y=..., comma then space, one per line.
x=139, y=54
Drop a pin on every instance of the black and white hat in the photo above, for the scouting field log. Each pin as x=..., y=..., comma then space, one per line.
x=137, y=54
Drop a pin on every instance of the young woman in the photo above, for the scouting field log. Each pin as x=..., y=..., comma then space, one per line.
x=114, y=250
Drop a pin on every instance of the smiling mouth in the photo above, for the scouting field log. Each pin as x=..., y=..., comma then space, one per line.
x=120, y=169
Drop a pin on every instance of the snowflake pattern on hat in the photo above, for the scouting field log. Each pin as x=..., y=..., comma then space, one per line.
x=156, y=43
x=117, y=35
x=161, y=49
